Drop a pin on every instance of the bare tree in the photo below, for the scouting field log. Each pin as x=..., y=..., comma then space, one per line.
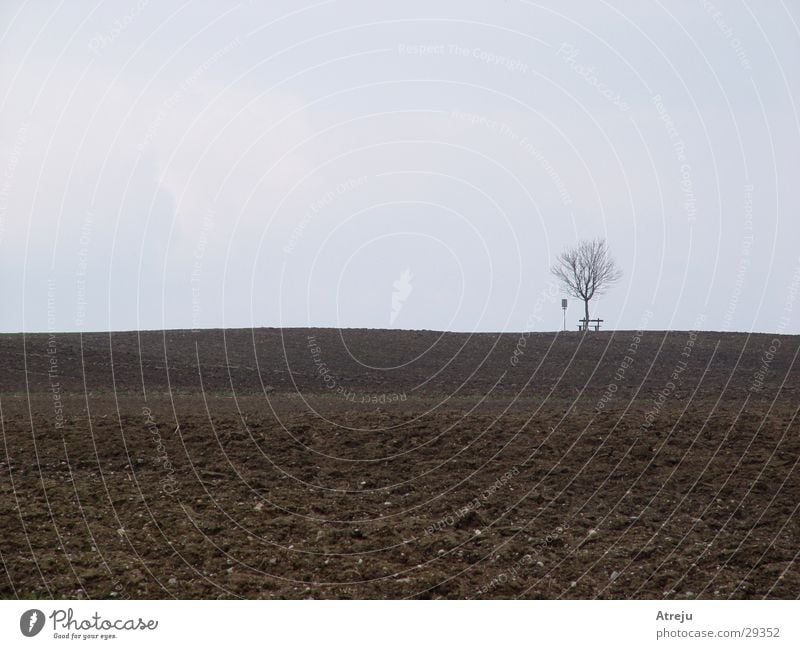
x=586, y=270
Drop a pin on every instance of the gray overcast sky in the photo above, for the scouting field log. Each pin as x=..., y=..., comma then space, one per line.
x=419, y=165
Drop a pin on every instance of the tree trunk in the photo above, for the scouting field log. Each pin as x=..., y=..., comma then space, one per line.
x=586, y=324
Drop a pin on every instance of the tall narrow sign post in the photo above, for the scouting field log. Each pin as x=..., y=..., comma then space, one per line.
x=564, y=307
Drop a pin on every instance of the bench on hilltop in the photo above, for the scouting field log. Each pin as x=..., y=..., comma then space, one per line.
x=583, y=324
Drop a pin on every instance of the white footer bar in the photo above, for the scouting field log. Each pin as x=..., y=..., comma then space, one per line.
x=405, y=624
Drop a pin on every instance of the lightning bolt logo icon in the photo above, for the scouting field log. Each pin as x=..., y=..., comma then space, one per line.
x=31, y=622
x=402, y=289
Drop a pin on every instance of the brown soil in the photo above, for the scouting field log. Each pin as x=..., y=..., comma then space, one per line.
x=223, y=464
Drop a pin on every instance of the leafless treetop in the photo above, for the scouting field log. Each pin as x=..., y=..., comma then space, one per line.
x=587, y=269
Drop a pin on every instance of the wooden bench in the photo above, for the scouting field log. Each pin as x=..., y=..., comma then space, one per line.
x=595, y=322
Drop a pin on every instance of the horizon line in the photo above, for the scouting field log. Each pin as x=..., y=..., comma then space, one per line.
x=382, y=329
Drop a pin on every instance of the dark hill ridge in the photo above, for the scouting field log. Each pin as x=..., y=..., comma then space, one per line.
x=428, y=497
x=410, y=362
